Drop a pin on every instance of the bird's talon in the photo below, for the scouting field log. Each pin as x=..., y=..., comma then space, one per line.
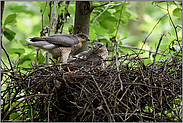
x=71, y=71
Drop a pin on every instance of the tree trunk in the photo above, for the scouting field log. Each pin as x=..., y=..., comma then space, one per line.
x=82, y=21
x=2, y=9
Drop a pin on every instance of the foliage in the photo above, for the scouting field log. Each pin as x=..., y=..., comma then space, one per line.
x=151, y=29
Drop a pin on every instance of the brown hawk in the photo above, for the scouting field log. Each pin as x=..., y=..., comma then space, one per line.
x=96, y=57
x=60, y=45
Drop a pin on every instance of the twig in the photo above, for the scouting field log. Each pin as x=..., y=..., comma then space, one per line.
x=173, y=24
x=165, y=66
x=151, y=32
x=119, y=20
x=157, y=49
x=42, y=18
x=7, y=55
x=118, y=67
x=136, y=48
x=52, y=17
x=65, y=16
x=103, y=98
x=130, y=115
x=21, y=102
x=99, y=15
x=102, y=4
x=117, y=53
x=49, y=29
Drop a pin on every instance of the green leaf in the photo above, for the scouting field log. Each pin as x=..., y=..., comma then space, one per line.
x=14, y=115
x=29, y=112
x=27, y=58
x=157, y=2
x=107, y=16
x=100, y=30
x=9, y=34
x=10, y=19
x=110, y=26
x=23, y=42
x=177, y=12
x=18, y=51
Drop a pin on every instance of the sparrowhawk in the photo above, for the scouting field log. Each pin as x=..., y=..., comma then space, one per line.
x=96, y=57
x=60, y=45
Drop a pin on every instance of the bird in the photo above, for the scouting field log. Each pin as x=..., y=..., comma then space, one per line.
x=96, y=57
x=60, y=45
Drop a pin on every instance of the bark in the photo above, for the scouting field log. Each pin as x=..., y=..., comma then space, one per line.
x=2, y=9
x=82, y=20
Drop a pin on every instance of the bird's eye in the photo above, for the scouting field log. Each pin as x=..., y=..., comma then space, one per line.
x=99, y=45
x=83, y=37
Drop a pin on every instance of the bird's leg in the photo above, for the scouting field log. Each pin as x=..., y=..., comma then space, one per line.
x=36, y=57
x=65, y=56
x=57, y=62
x=47, y=58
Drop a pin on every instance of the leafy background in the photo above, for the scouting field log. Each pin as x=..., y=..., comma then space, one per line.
x=23, y=19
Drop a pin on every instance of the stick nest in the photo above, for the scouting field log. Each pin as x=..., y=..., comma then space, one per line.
x=144, y=93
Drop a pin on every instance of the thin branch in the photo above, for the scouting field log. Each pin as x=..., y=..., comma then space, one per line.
x=119, y=20
x=157, y=49
x=103, y=98
x=99, y=15
x=52, y=17
x=177, y=38
x=42, y=18
x=136, y=48
x=7, y=55
x=102, y=4
x=117, y=66
x=151, y=32
x=49, y=29
x=21, y=102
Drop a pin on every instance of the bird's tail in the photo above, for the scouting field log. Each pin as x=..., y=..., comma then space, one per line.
x=38, y=44
x=37, y=39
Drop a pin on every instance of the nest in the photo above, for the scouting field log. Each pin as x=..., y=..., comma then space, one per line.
x=130, y=92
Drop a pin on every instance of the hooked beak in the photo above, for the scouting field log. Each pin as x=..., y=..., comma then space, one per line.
x=94, y=47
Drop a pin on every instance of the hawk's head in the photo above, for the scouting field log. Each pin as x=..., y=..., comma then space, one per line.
x=100, y=49
x=83, y=37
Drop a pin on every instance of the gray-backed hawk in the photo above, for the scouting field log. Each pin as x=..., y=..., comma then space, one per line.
x=96, y=57
x=60, y=45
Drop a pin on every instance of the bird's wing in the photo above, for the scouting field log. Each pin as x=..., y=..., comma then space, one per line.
x=62, y=39
x=85, y=56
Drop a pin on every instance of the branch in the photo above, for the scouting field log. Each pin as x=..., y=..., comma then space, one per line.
x=21, y=102
x=175, y=28
x=103, y=98
x=119, y=20
x=42, y=19
x=49, y=29
x=52, y=16
x=136, y=48
x=2, y=10
x=99, y=15
x=6, y=53
x=117, y=66
x=157, y=49
x=151, y=32
x=102, y=4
